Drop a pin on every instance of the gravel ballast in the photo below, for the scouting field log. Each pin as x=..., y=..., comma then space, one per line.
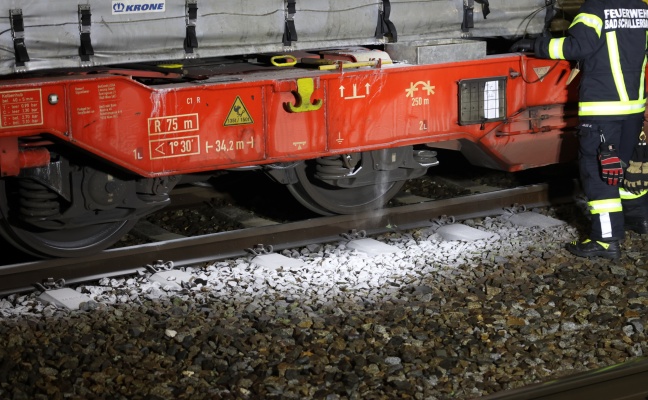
x=434, y=320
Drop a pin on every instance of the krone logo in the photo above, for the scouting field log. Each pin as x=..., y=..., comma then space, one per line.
x=118, y=7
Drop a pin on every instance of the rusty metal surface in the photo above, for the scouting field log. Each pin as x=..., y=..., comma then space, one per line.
x=20, y=277
x=627, y=381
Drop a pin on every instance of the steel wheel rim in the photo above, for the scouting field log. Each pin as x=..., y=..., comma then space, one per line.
x=329, y=200
x=75, y=242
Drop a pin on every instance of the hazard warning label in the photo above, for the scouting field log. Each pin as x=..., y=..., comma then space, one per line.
x=541, y=72
x=238, y=114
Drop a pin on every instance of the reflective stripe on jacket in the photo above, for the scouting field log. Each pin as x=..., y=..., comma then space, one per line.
x=609, y=37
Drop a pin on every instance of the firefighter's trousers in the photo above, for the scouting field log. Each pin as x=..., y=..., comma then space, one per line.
x=609, y=205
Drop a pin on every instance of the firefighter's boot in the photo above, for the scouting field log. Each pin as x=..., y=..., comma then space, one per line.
x=591, y=248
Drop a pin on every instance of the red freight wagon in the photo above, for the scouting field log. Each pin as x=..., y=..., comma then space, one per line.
x=95, y=134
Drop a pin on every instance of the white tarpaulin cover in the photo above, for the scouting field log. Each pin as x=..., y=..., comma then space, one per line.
x=51, y=33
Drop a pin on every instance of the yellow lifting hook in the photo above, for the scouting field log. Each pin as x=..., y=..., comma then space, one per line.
x=305, y=89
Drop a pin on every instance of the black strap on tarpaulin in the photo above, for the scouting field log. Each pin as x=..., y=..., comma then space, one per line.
x=291, y=6
x=485, y=7
x=468, y=18
x=385, y=26
x=290, y=32
x=468, y=21
x=18, y=35
x=549, y=16
x=85, y=21
x=191, y=40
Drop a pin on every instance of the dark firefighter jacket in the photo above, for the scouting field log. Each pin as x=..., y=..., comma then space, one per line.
x=609, y=39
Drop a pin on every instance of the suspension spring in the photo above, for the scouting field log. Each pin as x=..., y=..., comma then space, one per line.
x=37, y=201
x=335, y=166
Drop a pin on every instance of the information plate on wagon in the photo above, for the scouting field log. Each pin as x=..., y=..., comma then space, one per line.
x=20, y=108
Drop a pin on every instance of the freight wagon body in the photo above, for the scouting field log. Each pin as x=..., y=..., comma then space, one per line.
x=105, y=106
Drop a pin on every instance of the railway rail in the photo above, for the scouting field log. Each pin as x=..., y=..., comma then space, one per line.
x=622, y=381
x=186, y=251
x=627, y=381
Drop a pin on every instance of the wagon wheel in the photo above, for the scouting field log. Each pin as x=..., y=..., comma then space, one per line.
x=66, y=242
x=325, y=199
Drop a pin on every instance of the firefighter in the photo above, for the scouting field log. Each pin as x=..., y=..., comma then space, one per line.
x=608, y=39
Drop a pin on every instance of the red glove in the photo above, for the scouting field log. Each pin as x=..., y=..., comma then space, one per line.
x=611, y=168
